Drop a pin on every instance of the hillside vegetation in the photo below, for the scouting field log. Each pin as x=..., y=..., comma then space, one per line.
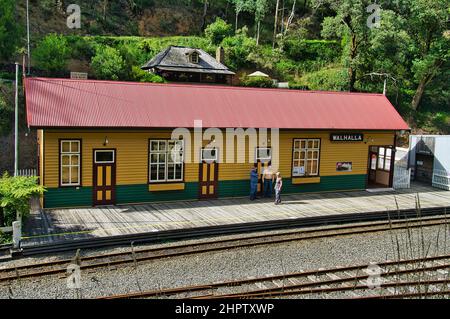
x=313, y=44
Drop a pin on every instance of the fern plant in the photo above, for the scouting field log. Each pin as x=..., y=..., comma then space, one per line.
x=15, y=195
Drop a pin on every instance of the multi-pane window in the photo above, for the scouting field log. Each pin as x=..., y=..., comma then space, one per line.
x=384, y=158
x=306, y=155
x=194, y=57
x=166, y=160
x=70, y=160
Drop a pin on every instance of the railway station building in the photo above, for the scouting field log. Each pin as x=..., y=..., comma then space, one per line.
x=108, y=143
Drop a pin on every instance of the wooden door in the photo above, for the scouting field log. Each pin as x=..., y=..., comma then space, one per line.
x=208, y=177
x=424, y=168
x=373, y=162
x=104, y=177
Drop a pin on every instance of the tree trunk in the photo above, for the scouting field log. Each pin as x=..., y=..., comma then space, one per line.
x=257, y=32
x=236, y=22
x=275, y=23
x=205, y=9
x=105, y=5
x=351, y=70
x=2, y=220
x=418, y=94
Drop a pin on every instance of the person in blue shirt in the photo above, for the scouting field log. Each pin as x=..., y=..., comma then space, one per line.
x=253, y=182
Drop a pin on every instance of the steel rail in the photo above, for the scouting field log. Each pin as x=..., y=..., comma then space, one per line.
x=130, y=257
x=408, y=295
x=239, y=228
x=317, y=272
x=290, y=290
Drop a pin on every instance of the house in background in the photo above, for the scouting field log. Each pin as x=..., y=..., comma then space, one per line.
x=183, y=64
x=429, y=159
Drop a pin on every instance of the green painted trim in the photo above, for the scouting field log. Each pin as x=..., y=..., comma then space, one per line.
x=327, y=183
x=141, y=194
x=129, y=194
x=68, y=197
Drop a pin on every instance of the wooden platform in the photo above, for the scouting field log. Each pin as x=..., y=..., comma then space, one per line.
x=68, y=224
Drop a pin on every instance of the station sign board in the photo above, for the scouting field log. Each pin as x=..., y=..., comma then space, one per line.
x=346, y=137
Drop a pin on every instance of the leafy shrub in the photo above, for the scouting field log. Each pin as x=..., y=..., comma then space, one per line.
x=140, y=75
x=298, y=85
x=15, y=195
x=300, y=49
x=441, y=121
x=52, y=53
x=6, y=111
x=256, y=81
x=5, y=238
x=238, y=48
x=218, y=30
x=107, y=63
x=332, y=79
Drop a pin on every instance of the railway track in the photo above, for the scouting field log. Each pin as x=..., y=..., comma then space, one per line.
x=133, y=256
x=394, y=276
x=239, y=228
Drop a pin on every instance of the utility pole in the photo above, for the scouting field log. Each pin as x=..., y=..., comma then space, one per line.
x=28, y=41
x=16, y=125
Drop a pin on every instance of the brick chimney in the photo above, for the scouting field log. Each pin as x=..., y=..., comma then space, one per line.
x=220, y=55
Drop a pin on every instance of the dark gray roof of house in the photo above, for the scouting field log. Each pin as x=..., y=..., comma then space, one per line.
x=175, y=58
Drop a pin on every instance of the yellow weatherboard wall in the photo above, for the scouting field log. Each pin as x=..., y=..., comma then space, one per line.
x=132, y=154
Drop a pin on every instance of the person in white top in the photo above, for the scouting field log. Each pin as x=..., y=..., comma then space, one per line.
x=268, y=179
x=278, y=186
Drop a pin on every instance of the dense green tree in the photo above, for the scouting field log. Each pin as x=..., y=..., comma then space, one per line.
x=9, y=29
x=217, y=31
x=350, y=24
x=238, y=49
x=107, y=63
x=6, y=109
x=241, y=6
x=427, y=23
x=51, y=53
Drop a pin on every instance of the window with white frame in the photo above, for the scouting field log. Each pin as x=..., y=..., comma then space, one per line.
x=70, y=159
x=305, y=160
x=166, y=160
x=263, y=154
x=209, y=154
x=194, y=57
x=384, y=158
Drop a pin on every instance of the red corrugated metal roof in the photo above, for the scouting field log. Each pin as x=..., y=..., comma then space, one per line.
x=89, y=103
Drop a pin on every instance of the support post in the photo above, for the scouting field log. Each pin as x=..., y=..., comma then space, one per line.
x=16, y=124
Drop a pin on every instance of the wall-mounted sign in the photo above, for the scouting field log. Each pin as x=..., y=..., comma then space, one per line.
x=344, y=166
x=346, y=137
x=298, y=170
x=78, y=75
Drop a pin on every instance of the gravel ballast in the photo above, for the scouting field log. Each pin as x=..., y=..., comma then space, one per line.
x=234, y=264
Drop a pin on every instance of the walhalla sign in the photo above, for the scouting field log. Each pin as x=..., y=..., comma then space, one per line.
x=346, y=137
